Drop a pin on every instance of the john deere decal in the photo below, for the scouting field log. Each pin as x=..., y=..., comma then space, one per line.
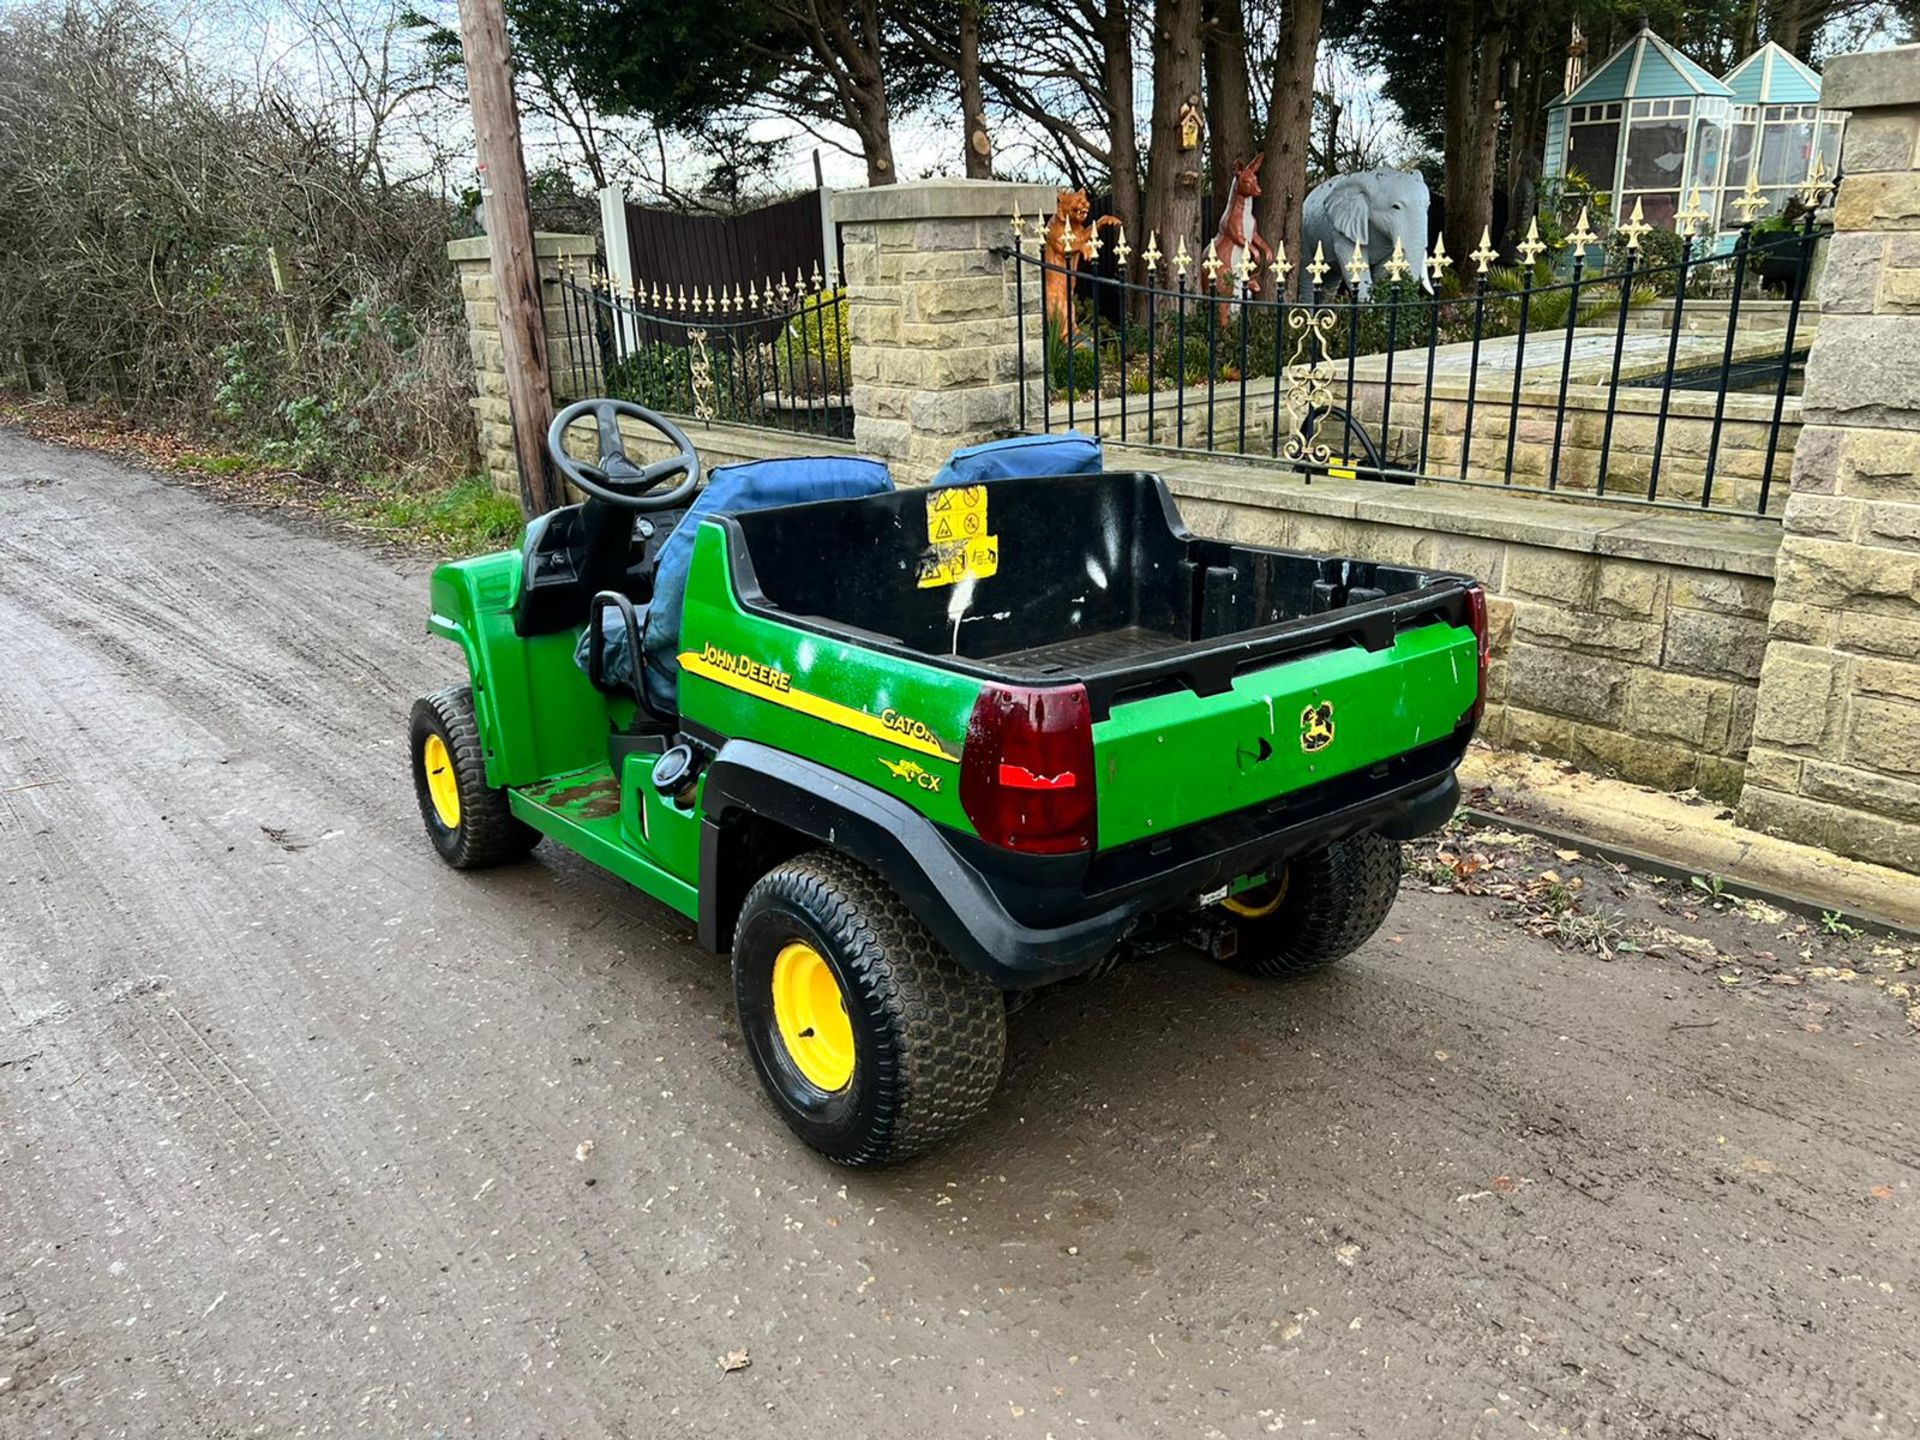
x=1316, y=726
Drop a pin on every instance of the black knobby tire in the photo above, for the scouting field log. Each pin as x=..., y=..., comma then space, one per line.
x=488, y=832
x=929, y=1036
x=1332, y=902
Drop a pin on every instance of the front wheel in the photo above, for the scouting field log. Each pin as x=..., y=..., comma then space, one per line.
x=467, y=819
x=873, y=1043
x=1316, y=909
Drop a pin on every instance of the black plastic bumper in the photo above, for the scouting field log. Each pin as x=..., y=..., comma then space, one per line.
x=1025, y=921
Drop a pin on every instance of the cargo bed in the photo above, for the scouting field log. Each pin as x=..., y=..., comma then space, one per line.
x=1086, y=578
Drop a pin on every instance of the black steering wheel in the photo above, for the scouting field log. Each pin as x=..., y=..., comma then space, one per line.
x=616, y=479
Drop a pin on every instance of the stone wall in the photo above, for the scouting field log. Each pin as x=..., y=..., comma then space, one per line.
x=1836, y=751
x=930, y=316
x=1628, y=644
x=1740, y=472
x=473, y=263
x=1740, y=469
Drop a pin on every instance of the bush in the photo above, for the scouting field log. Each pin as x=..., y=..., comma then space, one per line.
x=820, y=327
x=1660, y=252
x=223, y=261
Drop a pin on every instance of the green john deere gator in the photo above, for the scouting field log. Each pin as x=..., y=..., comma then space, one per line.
x=906, y=753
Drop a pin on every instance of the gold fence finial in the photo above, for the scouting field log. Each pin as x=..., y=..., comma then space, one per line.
x=1694, y=216
x=1636, y=227
x=1530, y=248
x=1357, y=267
x=1486, y=254
x=1019, y=225
x=1211, y=265
x=1439, y=261
x=1181, y=259
x=1318, y=266
x=1582, y=237
x=1814, y=193
x=1121, y=250
x=1150, y=257
x=1280, y=266
x=1751, y=201
x=1396, y=266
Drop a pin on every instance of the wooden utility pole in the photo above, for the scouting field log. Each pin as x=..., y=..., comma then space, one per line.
x=516, y=271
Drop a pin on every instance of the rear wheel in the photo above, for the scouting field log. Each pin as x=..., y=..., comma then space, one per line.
x=1319, y=908
x=467, y=819
x=872, y=1042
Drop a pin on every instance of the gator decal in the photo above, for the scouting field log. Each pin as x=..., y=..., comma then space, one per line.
x=959, y=545
x=764, y=682
x=912, y=772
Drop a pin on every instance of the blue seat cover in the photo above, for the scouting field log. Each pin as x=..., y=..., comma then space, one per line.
x=756, y=485
x=1022, y=456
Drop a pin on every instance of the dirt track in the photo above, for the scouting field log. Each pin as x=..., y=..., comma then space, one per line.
x=289, y=1114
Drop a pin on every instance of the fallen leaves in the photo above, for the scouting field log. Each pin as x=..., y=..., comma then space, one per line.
x=735, y=1360
x=1560, y=894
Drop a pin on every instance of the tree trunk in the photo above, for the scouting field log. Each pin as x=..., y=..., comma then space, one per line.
x=847, y=37
x=874, y=127
x=1116, y=38
x=973, y=103
x=1525, y=137
x=1283, y=174
x=1476, y=48
x=1173, y=174
x=1223, y=54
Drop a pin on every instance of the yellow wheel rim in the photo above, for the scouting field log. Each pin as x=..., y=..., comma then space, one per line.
x=442, y=788
x=812, y=1016
x=1259, y=902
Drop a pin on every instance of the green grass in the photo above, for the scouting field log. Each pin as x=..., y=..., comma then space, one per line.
x=465, y=518
x=216, y=464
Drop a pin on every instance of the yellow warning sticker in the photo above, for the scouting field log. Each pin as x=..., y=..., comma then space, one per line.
x=959, y=544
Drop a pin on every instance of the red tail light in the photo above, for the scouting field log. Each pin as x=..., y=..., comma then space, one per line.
x=1026, y=775
x=1477, y=622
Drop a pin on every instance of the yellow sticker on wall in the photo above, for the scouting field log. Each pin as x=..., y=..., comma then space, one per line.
x=959, y=544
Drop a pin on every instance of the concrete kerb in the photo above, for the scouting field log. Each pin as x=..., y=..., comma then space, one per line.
x=1685, y=835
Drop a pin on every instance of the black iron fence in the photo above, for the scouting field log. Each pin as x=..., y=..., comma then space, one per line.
x=1659, y=375
x=772, y=354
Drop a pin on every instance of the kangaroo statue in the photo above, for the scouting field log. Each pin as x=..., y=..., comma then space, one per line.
x=1238, y=233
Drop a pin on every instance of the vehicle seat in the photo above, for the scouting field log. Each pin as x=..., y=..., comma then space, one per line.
x=1022, y=456
x=756, y=485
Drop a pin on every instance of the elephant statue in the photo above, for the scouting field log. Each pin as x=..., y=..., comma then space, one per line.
x=1371, y=209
